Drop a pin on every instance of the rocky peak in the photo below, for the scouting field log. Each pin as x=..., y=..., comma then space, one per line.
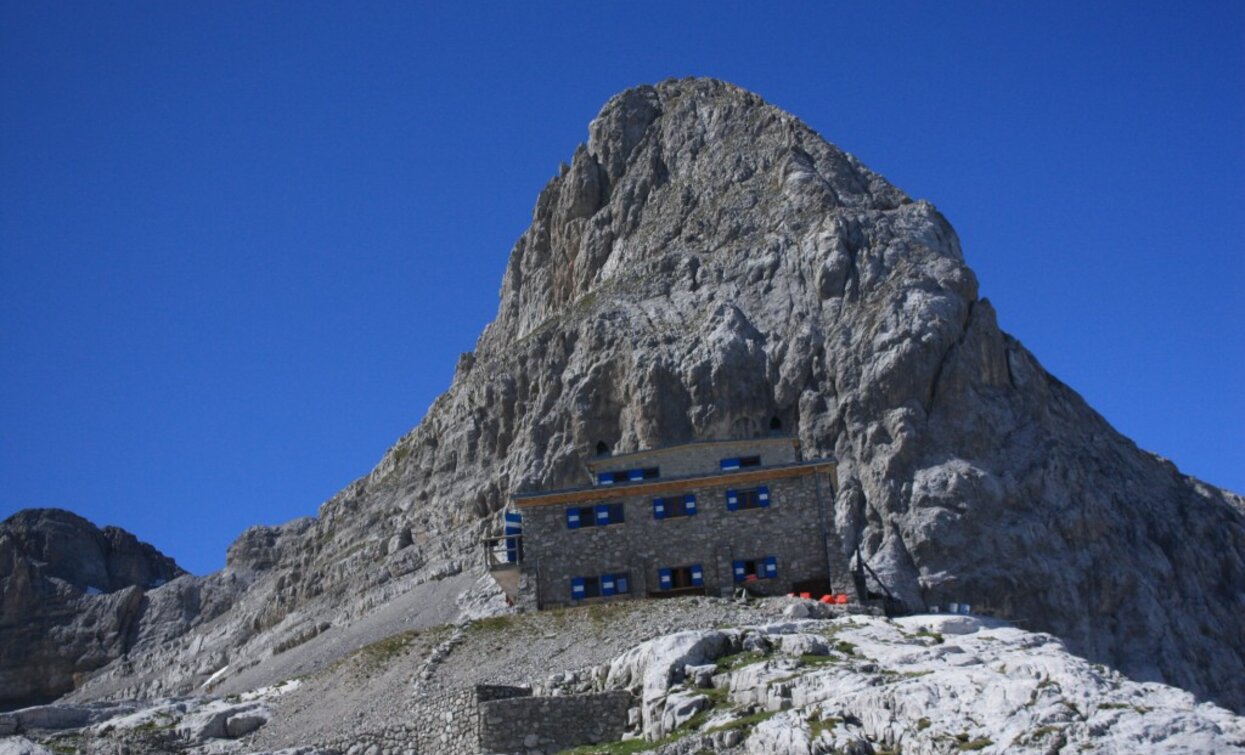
x=708, y=266
x=70, y=595
x=58, y=544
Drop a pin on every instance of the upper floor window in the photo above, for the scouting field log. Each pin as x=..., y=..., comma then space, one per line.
x=756, y=498
x=594, y=516
x=739, y=462
x=628, y=475
x=670, y=508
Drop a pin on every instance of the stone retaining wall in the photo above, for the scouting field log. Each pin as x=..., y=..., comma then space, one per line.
x=550, y=724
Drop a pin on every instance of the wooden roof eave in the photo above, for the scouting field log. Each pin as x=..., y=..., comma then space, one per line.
x=658, y=487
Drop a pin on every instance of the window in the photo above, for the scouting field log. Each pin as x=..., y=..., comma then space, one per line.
x=605, y=585
x=756, y=498
x=594, y=516
x=628, y=475
x=750, y=570
x=670, y=508
x=739, y=462
x=680, y=577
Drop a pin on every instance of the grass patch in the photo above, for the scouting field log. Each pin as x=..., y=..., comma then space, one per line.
x=745, y=723
x=621, y=747
x=739, y=660
x=382, y=652
x=818, y=725
x=935, y=636
x=493, y=623
x=964, y=744
x=845, y=647
x=817, y=660
x=1113, y=706
x=922, y=724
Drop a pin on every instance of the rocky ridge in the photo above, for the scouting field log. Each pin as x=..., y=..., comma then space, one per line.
x=71, y=597
x=709, y=266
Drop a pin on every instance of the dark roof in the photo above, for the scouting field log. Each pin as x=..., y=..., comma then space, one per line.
x=591, y=463
x=627, y=489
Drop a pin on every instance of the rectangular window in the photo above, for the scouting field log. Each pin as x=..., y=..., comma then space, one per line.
x=628, y=475
x=601, y=586
x=756, y=498
x=750, y=461
x=585, y=587
x=680, y=577
x=670, y=508
x=594, y=516
x=750, y=570
x=608, y=513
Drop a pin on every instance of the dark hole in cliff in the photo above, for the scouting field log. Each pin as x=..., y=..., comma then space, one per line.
x=775, y=425
x=603, y=449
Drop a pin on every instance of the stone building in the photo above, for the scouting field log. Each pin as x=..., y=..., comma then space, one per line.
x=707, y=517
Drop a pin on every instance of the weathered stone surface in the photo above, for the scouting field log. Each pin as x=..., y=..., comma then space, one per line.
x=708, y=265
x=70, y=596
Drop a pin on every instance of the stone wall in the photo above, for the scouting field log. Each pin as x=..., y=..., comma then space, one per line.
x=550, y=724
x=789, y=529
x=699, y=458
x=449, y=723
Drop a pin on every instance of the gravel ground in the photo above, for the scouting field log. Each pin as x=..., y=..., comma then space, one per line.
x=379, y=684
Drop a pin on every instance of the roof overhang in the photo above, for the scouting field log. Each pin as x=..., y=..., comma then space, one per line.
x=671, y=485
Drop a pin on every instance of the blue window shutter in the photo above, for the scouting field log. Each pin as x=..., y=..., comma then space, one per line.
x=572, y=518
x=729, y=465
x=689, y=504
x=635, y=475
x=738, y=568
x=513, y=530
x=607, y=584
x=605, y=478
x=577, y=588
x=603, y=513
x=763, y=496
x=513, y=517
x=665, y=579
x=732, y=500
x=698, y=576
x=771, y=567
x=621, y=584
x=659, y=508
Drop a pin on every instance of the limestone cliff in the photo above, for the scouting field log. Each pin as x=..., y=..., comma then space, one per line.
x=70, y=596
x=707, y=265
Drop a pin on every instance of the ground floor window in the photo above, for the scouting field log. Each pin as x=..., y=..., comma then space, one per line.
x=752, y=569
x=680, y=577
x=602, y=585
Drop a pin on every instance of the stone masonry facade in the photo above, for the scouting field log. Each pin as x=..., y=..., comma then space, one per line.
x=785, y=543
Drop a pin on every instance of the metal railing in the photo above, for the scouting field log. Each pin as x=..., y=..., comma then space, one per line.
x=503, y=551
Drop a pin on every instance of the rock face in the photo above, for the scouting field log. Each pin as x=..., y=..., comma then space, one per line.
x=708, y=266
x=924, y=684
x=70, y=597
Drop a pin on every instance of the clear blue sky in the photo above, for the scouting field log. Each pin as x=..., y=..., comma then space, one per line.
x=242, y=244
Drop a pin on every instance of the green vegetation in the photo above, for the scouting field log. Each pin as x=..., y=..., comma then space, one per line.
x=818, y=725
x=382, y=652
x=1113, y=706
x=923, y=724
x=967, y=745
x=493, y=623
x=935, y=636
x=845, y=647
x=744, y=724
x=817, y=660
x=739, y=660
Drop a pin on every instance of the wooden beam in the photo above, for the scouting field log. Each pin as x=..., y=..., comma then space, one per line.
x=656, y=487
